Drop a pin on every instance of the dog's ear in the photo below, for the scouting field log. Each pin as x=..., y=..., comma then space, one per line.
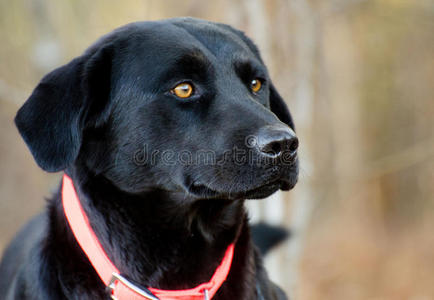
x=279, y=107
x=52, y=120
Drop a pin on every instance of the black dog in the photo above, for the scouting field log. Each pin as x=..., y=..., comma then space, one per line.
x=165, y=128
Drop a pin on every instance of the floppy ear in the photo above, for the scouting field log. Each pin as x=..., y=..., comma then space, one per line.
x=279, y=108
x=52, y=120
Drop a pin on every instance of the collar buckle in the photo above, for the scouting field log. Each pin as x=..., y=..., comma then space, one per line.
x=141, y=291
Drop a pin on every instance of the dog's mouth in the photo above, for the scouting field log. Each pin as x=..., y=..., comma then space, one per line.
x=200, y=190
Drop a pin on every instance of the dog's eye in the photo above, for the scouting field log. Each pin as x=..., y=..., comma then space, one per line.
x=255, y=85
x=183, y=90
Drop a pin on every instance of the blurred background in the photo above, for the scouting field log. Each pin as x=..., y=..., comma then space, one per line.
x=358, y=76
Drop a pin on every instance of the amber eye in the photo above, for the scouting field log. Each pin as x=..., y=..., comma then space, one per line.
x=183, y=90
x=256, y=85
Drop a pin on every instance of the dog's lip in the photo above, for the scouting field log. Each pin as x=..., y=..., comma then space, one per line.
x=264, y=190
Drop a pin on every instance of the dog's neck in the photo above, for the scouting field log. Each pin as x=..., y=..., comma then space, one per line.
x=159, y=239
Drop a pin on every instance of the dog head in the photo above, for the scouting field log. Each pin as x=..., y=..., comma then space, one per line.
x=181, y=105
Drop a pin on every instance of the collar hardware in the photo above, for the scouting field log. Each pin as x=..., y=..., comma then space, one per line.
x=205, y=294
x=118, y=278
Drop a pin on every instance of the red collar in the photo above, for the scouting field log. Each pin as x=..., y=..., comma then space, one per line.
x=119, y=287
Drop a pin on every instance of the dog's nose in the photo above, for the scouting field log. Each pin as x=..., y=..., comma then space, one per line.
x=274, y=141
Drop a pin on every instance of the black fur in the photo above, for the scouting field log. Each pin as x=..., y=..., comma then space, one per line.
x=164, y=223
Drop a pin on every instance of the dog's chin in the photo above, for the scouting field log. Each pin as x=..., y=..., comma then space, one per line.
x=202, y=191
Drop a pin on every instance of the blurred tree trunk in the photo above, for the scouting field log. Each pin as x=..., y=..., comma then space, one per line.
x=306, y=59
x=305, y=45
x=46, y=51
